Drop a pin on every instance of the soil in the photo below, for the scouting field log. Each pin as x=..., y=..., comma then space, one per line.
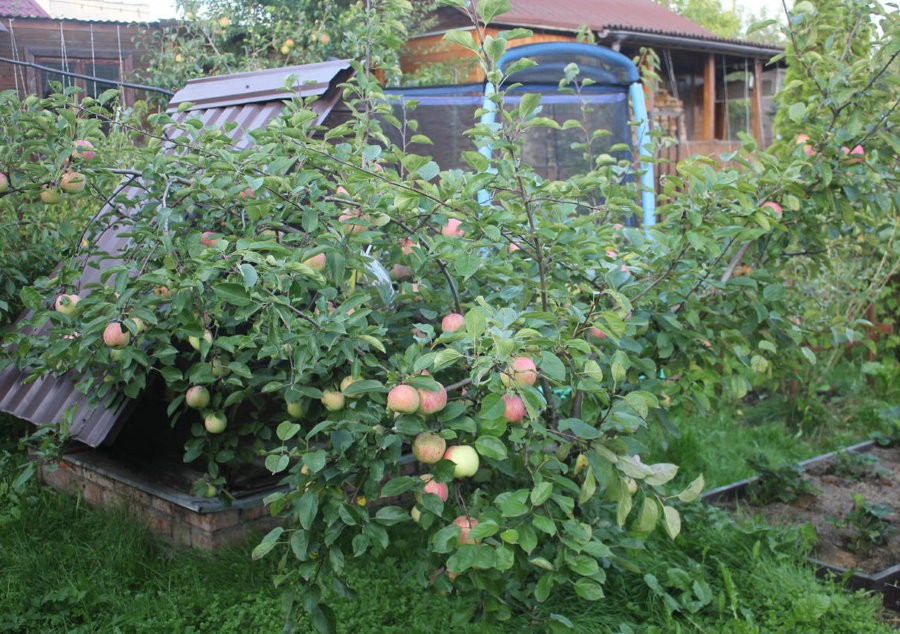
x=836, y=544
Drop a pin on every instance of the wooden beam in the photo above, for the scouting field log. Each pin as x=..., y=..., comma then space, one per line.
x=709, y=99
x=756, y=113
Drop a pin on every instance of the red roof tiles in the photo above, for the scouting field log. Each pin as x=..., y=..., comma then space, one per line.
x=21, y=9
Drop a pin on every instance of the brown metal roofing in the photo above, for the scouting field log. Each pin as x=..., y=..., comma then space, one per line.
x=569, y=15
x=22, y=9
x=227, y=98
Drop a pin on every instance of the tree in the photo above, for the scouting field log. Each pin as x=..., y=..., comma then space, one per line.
x=710, y=14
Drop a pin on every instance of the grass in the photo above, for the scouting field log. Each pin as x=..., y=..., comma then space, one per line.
x=67, y=568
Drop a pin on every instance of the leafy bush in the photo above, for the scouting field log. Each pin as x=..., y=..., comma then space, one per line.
x=251, y=285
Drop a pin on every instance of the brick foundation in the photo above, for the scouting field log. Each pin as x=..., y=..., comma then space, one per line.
x=175, y=516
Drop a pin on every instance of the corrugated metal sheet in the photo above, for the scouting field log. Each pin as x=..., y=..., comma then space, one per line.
x=217, y=101
x=599, y=14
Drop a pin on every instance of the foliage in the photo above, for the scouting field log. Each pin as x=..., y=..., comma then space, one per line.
x=222, y=285
x=228, y=36
x=783, y=482
x=867, y=523
x=709, y=14
x=857, y=465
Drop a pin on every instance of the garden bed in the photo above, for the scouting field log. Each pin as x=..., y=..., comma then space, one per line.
x=849, y=498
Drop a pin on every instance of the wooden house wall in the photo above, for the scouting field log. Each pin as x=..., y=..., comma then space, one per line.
x=82, y=44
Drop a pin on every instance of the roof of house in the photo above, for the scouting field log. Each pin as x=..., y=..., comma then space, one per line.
x=600, y=14
x=249, y=100
x=643, y=21
x=21, y=9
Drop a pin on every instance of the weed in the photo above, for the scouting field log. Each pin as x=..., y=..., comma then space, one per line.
x=783, y=483
x=866, y=523
x=855, y=466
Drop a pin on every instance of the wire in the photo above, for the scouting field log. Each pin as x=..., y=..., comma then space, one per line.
x=99, y=80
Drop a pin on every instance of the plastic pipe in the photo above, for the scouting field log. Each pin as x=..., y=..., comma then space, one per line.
x=648, y=183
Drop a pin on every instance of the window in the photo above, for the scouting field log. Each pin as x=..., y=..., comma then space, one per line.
x=100, y=68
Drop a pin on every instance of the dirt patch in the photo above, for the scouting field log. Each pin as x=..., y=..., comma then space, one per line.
x=855, y=512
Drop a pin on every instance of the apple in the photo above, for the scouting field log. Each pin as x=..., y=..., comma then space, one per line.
x=72, y=182
x=611, y=253
x=431, y=402
x=224, y=22
x=428, y=447
x=346, y=382
x=513, y=408
x=195, y=341
x=317, y=262
x=197, y=397
x=324, y=39
x=84, y=150
x=439, y=489
x=217, y=368
x=595, y=333
x=808, y=149
x=403, y=399
x=115, y=336
x=856, y=154
x=295, y=409
x=407, y=245
x=631, y=485
x=513, y=247
x=332, y=400
x=353, y=220
x=50, y=195
x=521, y=372
x=775, y=207
x=247, y=192
x=465, y=524
x=215, y=422
x=179, y=58
x=115, y=354
x=465, y=458
x=581, y=463
x=139, y=325
x=452, y=322
x=163, y=292
x=207, y=239
x=451, y=229
x=66, y=304
x=4, y=183
x=415, y=514
x=401, y=272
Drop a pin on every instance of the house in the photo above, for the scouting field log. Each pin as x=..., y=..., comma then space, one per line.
x=711, y=88
x=33, y=45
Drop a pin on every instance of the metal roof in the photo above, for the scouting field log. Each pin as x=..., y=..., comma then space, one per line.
x=217, y=101
x=22, y=9
x=570, y=15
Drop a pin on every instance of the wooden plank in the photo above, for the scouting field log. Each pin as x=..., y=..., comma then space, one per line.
x=756, y=113
x=709, y=99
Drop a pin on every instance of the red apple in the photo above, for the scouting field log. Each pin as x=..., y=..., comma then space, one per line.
x=452, y=322
x=246, y=193
x=775, y=207
x=215, y=422
x=465, y=524
x=808, y=149
x=439, y=489
x=403, y=399
x=207, y=239
x=610, y=253
x=431, y=402
x=332, y=400
x=407, y=245
x=465, y=458
x=855, y=155
x=595, y=333
x=197, y=397
x=514, y=408
x=83, y=150
x=72, y=182
x=428, y=447
x=521, y=372
x=451, y=229
x=4, y=183
x=66, y=304
x=513, y=247
x=115, y=336
x=353, y=220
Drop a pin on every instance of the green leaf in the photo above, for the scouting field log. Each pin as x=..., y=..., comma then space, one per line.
x=693, y=490
x=307, y=508
x=648, y=516
x=579, y=428
x=488, y=10
x=672, y=521
x=588, y=487
x=551, y=367
x=398, y=486
x=588, y=590
x=363, y=387
x=541, y=493
x=372, y=341
x=796, y=112
x=445, y=357
x=491, y=447
x=476, y=322
x=541, y=562
x=462, y=38
x=268, y=543
x=623, y=508
x=391, y=515
x=30, y=298
x=276, y=463
x=323, y=619
x=661, y=473
x=250, y=275
x=543, y=587
x=544, y=524
x=467, y=264
x=230, y=293
x=809, y=355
